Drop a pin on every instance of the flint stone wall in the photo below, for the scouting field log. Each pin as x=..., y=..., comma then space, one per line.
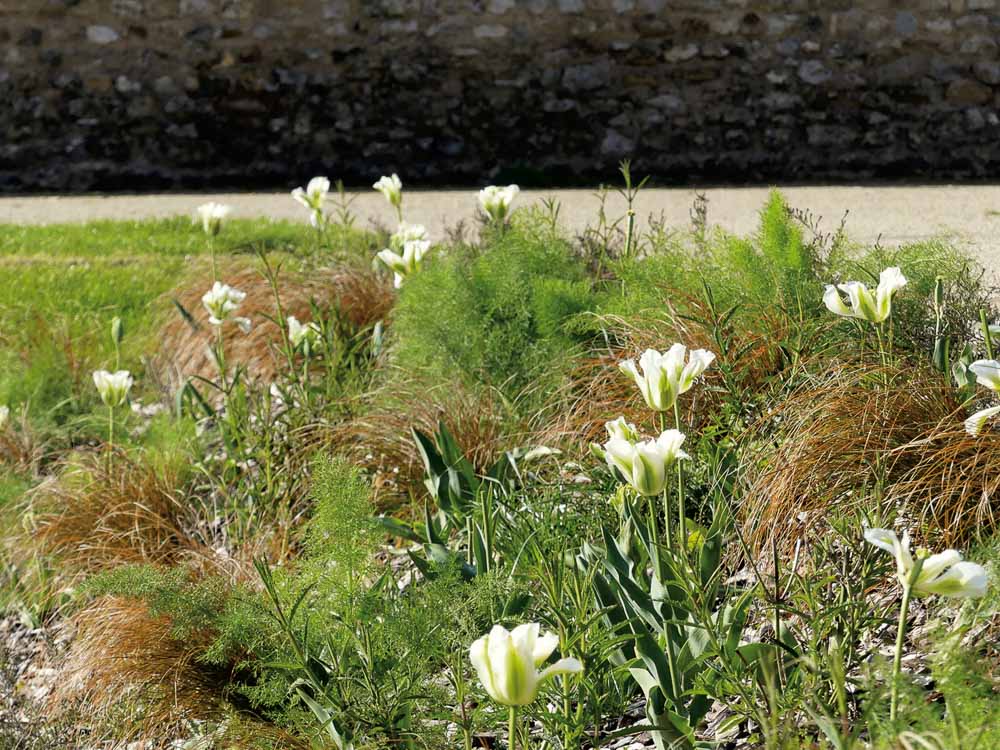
x=159, y=94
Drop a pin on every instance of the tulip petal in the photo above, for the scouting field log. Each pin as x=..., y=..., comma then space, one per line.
x=935, y=564
x=975, y=423
x=987, y=372
x=563, y=666
x=835, y=303
x=962, y=580
x=544, y=647
x=480, y=660
x=890, y=281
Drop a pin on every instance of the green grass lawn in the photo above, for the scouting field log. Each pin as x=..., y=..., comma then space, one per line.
x=61, y=285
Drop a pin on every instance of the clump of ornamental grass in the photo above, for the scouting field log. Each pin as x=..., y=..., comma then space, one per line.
x=95, y=515
x=143, y=682
x=185, y=339
x=951, y=482
x=482, y=422
x=839, y=443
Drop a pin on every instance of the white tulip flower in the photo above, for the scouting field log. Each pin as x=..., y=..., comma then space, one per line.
x=666, y=376
x=212, y=216
x=299, y=333
x=944, y=574
x=987, y=372
x=975, y=423
x=507, y=663
x=407, y=233
x=496, y=201
x=221, y=301
x=113, y=387
x=392, y=189
x=4, y=416
x=313, y=198
x=875, y=306
x=618, y=429
x=407, y=262
x=644, y=465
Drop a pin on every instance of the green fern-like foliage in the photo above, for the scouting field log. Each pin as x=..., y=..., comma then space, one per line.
x=494, y=315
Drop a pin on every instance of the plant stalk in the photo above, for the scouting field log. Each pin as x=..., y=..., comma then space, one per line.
x=681, y=519
x=897, y=661
x=511, y=728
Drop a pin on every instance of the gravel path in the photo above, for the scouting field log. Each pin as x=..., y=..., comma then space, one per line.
x=896, y=214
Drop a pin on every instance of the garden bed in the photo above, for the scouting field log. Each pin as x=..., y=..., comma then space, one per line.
x=353, y=488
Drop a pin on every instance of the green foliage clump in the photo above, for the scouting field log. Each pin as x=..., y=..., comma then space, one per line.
x=495, y=314
x=774, y=267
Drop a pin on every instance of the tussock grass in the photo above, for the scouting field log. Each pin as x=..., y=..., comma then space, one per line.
x=842, y=441
x=184, y=348
x=483, y=423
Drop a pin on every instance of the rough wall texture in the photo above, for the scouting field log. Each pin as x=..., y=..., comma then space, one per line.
x=153, y=94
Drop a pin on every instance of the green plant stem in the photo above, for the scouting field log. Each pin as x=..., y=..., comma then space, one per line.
x=986, y=332
x=668, y=532
x=897, y=661
x=211, y=249
x=511, y=728
x=681, y=519
x=898, y=658
x=111, y=434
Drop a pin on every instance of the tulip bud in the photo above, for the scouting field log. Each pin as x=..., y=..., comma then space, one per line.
x=117, y=331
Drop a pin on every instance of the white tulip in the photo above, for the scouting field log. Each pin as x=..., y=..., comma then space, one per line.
x=407, y=262
x=507, y=663
x=299, y=333
x=113, y=387
x=987, y=372
x=644, y=465
x=221, y=301
x=212, y=216
x=875, y=306
x=313, y=198
x=665, y=376
x=618, y=429
x=975, y=423
x=496, y=201
x=945, y=573
x=392, y=189
x=407, y=233
x=621, y=430
x=4, y=416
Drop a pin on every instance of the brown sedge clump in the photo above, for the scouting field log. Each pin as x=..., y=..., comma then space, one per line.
x=845, y=441
x=380, y=441
x=124, y=663
x=96, y=515
x=184, y=346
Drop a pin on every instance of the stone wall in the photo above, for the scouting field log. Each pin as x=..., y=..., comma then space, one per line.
x=156, y=94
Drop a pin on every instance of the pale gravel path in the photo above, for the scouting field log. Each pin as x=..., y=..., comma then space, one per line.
x=896, y=214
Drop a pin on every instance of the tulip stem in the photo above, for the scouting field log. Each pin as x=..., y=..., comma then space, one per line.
x=986, y=333
x=681, y=520
x=511, y=728
x=897, y=661
x=211, y=249
x=111, y=434
x=666, y=500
